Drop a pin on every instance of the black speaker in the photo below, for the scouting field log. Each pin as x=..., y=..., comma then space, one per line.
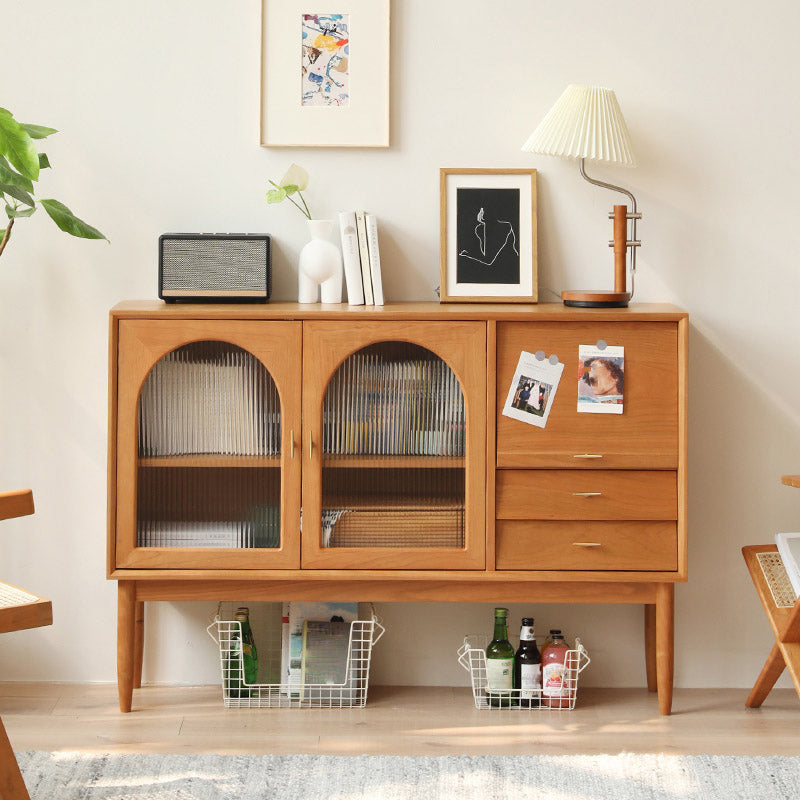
x=214, y=268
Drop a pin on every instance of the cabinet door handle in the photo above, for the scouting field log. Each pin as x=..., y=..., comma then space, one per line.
x=587, y=455
x=291, y=443
x=587, y=544
x=587, y=494
x=310, y=445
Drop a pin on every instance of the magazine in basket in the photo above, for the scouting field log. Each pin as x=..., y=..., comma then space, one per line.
x=293, y=651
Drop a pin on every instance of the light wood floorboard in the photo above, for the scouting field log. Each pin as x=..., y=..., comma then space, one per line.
x=396, y=720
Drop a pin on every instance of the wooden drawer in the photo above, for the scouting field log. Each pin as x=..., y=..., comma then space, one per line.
x=555, y=545
x=644, y=436
x=586, y=494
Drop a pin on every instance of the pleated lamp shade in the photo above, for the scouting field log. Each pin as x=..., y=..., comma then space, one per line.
x=586, y=122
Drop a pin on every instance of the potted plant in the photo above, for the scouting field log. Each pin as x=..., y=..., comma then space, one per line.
x=20, y=164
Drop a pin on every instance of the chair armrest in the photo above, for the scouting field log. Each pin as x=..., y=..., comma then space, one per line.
x=16, y=504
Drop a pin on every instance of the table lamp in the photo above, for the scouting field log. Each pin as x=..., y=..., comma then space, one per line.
x=586, y=122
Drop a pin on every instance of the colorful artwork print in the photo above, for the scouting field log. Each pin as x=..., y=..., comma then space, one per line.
x=326, y=59
x=487, y=236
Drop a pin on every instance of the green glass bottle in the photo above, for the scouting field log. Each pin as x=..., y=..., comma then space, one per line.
x=500, y=663
x=240, y=678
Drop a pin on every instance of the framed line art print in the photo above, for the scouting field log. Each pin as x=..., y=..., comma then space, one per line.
x=488, y=236
x=325, y=73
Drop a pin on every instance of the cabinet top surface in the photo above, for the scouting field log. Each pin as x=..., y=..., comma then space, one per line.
x=139, y=309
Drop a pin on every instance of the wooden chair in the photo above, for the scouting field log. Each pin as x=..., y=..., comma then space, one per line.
x=18, y=610
x=783, y=612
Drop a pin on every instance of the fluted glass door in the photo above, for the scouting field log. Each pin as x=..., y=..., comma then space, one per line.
x=209, y=451
x=393, y=451
x=208, y=476
x=394, y=445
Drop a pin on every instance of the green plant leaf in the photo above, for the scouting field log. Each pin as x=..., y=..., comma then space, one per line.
x=38, y=131
x=18, y=212
x=7, y=175
x=17, y=145
x=290, y=189
x=68, y=222
x=17, y=194
x=276, y=195
x=44, y=161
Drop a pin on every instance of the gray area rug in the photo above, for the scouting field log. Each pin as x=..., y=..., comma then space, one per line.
x=69, y=776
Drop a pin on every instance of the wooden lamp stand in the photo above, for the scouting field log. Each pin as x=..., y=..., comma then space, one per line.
x=619, y=298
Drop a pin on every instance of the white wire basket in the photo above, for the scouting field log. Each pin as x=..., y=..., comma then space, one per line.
x=336, y=670
x=472, y=656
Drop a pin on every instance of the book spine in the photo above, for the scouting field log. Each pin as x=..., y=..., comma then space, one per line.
x=374, y=259
x=352, y=258
x=363, y=249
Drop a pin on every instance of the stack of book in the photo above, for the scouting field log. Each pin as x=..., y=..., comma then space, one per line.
x=385, y=407
x=362, y=259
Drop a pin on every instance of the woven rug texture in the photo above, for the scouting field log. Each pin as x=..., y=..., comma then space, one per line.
x=91, y=776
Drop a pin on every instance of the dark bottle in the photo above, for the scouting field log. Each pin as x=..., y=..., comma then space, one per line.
x=528, y=667
x=243, y=657
x=500, y=663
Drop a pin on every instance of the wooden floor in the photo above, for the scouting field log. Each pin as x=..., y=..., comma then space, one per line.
x=401, y=721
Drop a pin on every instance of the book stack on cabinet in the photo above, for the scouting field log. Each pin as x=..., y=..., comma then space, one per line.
x=362, y=258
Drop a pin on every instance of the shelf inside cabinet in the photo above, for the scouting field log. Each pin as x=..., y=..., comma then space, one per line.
x=393, y=462
x=210, y=460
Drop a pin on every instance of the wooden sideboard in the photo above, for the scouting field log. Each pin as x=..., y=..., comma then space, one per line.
x=385, y=426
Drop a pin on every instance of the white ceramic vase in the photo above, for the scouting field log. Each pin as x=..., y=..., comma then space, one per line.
x=320, y=265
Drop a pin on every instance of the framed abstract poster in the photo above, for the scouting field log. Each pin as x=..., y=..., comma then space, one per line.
x=325, y=73
x=488, y=236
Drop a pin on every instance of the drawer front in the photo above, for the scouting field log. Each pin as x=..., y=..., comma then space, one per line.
x=644, y=436
x=555, y=545
x=586, y=494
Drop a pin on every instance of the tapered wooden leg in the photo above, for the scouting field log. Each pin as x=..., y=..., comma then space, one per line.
x=665, y=652
x=650, y=645
x=138, y=645
x=126, y=634
x=770, y=672
x=12, y=787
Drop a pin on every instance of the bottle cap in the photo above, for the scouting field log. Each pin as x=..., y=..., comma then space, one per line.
x=527, y=622
x=501, y=612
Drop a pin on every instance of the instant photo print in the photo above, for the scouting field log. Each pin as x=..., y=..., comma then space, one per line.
x=533, y=389
x=601, y=379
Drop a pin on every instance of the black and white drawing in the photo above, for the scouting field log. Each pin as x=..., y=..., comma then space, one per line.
x=488, y=247
x=487, y=235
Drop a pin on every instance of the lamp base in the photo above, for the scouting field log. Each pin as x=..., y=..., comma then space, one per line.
x=595, y=298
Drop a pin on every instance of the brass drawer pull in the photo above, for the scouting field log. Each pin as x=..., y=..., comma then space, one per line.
x=587, y=455
x=291, y=443
x=587, y=544
x=587, y=494
x=310, y=445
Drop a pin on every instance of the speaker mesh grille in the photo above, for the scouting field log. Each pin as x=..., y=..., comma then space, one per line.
x=215, y=264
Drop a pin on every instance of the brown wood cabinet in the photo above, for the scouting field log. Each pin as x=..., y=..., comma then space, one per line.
x=385, y=426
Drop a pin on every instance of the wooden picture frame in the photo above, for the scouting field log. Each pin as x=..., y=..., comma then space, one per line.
x=325, y=77
x=488, y=241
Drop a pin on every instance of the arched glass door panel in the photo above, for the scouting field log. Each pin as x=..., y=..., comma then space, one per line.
x=393, y=470
x=209, y=444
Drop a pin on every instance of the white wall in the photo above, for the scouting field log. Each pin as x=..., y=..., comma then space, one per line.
x=158, y=107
